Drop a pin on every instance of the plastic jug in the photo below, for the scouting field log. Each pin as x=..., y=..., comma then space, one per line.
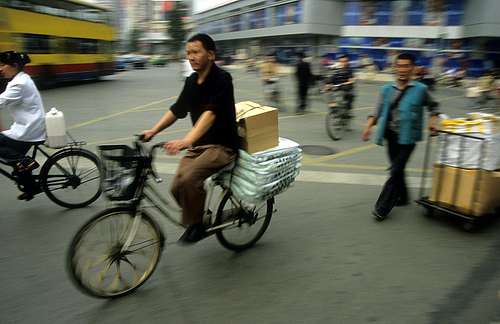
x=56, y=128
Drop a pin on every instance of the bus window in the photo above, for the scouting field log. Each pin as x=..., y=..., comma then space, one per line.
x=105, y=47
x=38, y=44
x=54, y=45
x=59, y=8
x=88, y=46
x=72, y=46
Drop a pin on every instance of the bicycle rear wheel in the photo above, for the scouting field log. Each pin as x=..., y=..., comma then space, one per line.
x=334, y=125
x=245, y=227
x=100, y=266
x=72, y=178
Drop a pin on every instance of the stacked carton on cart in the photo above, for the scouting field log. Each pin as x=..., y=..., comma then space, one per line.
x=257, y=126
x=470, y=191
x=467, y=173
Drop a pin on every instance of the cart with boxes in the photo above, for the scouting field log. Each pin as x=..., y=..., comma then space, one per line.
x=466, y=171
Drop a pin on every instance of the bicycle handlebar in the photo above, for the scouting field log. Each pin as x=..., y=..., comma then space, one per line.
x=149, y=154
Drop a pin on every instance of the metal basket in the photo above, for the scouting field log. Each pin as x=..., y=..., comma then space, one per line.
x=121, y=167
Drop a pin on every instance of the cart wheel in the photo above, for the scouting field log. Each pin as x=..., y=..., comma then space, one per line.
x=468, y=226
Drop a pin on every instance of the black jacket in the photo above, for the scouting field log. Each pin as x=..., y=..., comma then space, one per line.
x=303, y=73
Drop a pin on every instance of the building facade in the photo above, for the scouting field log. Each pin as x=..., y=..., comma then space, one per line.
x=460, y=33
x=282, y=26
x=155, y=37
x=150, y=17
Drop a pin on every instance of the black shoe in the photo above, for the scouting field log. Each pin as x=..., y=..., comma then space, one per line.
x=25, y=196
x=378, y=216
x=193, y=234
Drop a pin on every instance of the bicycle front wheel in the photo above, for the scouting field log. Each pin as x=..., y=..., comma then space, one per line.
x=244, y=227
x=98, y=262
x=334, y=126
x=72, y=178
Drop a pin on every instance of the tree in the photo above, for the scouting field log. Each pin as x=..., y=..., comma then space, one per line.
x=135, y=35
x=176, y=26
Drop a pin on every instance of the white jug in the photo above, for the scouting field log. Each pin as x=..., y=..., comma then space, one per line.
x=56, y=128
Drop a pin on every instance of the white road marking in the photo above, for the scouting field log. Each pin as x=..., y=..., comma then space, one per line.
x=323, y=177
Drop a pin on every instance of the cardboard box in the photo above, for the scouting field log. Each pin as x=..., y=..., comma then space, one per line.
x=257, y=126
x=454, y=187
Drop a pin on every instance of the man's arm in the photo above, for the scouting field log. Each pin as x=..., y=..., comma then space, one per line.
x=432, y=107
x=433, y=124
x=203, y=124
x=167, y=120
x=178, y=110
x=372, y=121
x=367, y=132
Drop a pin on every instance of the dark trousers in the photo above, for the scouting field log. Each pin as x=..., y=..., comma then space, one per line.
x=394, y=189
x=303, y=88
x=188, y=186
x=349, y=98
x=13, y=151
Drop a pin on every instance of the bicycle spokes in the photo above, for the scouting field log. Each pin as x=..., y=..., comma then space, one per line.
x=72, y=178
x=116, y=253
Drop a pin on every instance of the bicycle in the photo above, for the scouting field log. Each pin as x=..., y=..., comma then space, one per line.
x=70, y=177
x=272, y=91
x=117, y=250
x=338, y=118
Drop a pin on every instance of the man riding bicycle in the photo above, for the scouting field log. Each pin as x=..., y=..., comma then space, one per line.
x=212, y=143
x=269, y=74
x=343, y=78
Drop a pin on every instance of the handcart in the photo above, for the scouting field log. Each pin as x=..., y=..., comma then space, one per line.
x=469, y=217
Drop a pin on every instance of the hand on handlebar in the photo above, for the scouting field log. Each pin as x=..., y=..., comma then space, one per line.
x=147, y=135
x=433, y=130
x=175, y=146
